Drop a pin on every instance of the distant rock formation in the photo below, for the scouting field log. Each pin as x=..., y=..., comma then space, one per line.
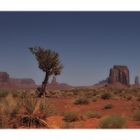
x=4, y=77
x=54, y=84
x=136, y=80
x=7, y=82
x=119, y=74
x=54, y=80
x=23, y=81
x=103, y=81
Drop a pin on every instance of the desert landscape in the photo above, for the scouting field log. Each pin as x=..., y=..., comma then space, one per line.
x=61, y=70
x=112, y=103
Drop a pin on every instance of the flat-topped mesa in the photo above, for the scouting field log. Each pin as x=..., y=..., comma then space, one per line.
x=8, y=82
x=119, y=74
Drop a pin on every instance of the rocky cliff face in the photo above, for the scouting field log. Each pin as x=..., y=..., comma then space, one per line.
x=119, y=74
x=7, y=82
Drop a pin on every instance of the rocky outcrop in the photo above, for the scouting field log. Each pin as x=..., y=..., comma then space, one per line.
x=7, y=82
x=119, y=74
x=54, y=81
x=4, y=77
x=23, y=81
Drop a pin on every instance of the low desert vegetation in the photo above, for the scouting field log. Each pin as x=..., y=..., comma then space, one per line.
x=108, y=106
x=3, y=93
x=71, y=116
x=81, y=100
x=113, y=121
x=93, y=114
x=136, y=115
x=22, y=109
x=94, y=99
x=106, y=96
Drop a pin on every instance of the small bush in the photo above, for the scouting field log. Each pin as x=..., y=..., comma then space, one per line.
x=136, y=115
x=43, y=105
x=30, y=104
x=52, y=110
x=81, y=100
x=70, y=116
x=108, y=106
x=93, y=114
x=67, y=125
x=90, y=94
x=11, y=106
x=128, y=97
x=3, y=93
x=113, y=122
x=106, y=96
x=94, y=99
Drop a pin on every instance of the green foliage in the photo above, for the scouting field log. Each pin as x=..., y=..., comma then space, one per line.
x=70, y=116
x=81, y=100
x=136, y=115
x=30, y=104
x=42, y=106
x=106, y=96
x=93, y=114
x=67, y=125
x=48, y=60
x=113, y=121
x=3, y=93
x=52, y=110
x=108, y=106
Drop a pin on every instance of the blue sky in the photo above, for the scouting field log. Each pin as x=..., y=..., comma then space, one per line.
x=89, y=43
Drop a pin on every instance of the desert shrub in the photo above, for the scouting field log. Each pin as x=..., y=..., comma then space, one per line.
x=106, y=96
x=15, y=93
x=67, y=125
x=43, y=106
x=11, y=106
x=136, y=115
x=127, y=97
x=70, y=94
x=70, y=116
x=81, y=100
x=94, y=99
x=90, y=94
x=116, y=97
x=30, y=104
x=93, y=114
x=94, y=94
x=108, y=106
x=52, y=110
x=76, y=91
x=3, y=93
x=2, y=120
x=113, y=121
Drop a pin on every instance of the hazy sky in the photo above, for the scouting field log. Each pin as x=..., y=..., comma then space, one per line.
x=89, y=43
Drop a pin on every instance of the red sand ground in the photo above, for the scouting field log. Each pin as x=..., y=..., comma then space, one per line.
x=120, y=107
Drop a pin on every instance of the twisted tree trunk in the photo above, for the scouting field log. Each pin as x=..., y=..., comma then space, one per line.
x=44, y=84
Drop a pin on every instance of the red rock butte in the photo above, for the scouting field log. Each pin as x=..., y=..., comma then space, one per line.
x=119, y=74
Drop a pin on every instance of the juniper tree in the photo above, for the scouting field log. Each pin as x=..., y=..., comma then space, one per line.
x=49, y=62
